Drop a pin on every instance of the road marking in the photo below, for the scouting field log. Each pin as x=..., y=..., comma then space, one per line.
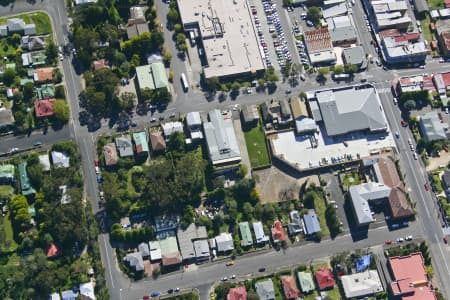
x=107, y=261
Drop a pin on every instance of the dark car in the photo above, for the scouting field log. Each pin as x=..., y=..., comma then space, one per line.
x=37, y=144
x=262, y=269
x=154, y=294
x=170, y=291
x=99, y=179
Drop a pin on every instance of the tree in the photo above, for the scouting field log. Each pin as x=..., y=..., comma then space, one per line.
x=188, y=216
x=235, y=86
x=176, y=142
x=8, y=76
x=28, y=91
x=167, y=56
x=128, y=100
x=314, y=14
x=15, y=39
x=248, y=210
x=243, y=170
x=338, y=69
x=323, y=71
x=181, y=39
x=62, y=113
x=51, y=51
x=173, y=16
x=350, y=68
x=410, y=104
x=287, y=2
x=212, y=83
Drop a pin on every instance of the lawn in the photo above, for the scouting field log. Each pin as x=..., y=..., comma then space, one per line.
x=40, y=19
x=352, y=179
x=7, y=243
x=320, y=207
x=256, y=146
x=435, y=4
x=425, y=24
x=437, y=183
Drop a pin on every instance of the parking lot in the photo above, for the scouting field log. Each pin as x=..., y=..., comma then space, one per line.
x=299, y=151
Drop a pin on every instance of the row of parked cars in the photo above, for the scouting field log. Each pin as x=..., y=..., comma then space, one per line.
x=302, y=52
x=262, y=41
x=275, y=27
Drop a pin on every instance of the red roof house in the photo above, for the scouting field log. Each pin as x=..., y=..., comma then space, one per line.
x=52, y=251
x=411, y=280
x=290, y=288
x=324, y=278
x=238, y=293
x=278, y=232
x=43, y=74
x=100, y=64
x=44, y=108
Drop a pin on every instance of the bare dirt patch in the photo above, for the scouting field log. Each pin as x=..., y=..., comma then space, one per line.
x=276, y=186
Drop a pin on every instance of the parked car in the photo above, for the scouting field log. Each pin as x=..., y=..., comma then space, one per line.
x=388, y=242
x=99, y=179
x=427, y=187
x=445, y=240
x=404, y=123
x=37, y=144
x=154, y=294
x=230, y=263
x=409, y=238
x=400, y=240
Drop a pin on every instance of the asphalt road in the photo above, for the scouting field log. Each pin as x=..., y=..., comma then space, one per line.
x=427, y=226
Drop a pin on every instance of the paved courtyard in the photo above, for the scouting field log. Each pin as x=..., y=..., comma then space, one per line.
x=299, y=150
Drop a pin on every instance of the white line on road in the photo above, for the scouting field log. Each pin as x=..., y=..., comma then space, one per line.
x=107, y=261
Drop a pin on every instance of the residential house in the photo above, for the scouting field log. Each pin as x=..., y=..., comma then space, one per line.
x=60, y=159
x=261, y=237
x=171, y=127
x=36, y=58
x=157, y=141
x=54, y=296
x=53, y=251
x=295, y=227
x=445, y=182
x=110, y=154
x=265, y=289
x=276, y=112
x=237, y=293
x=250, y=114
x=7, y=172
x=45, y=91
x=187, y=237
x=32, y=43
x=224, y=242
x=246, y=234
x=69, y=295
x=324, y=278
x=221, y=140
x=155, y=251
x=135, y=261
x=17, y=25
x=278, y=234
x=87, y=291
x=361, y=284
x=44, y=108
x=144, y=250
x=194, y=125
x=65, y=197
x=137, y=24
x=100, y=64
x=42, y=75
x=431, y=127
x=44, y=160
x=140, y=140
x=136, y=29
x=311, y=223
x=306, y=282
x=25, y=185
x=124, y=145
x=289, y=287
x=3, y=30
x=410, y=277
x=152, y=76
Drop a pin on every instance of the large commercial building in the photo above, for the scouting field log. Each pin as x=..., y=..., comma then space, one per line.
x=351, y=109
x=319, y=46
x=227, y=33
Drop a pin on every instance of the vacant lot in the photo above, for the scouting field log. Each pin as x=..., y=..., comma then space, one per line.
x=436, y=4
x=256, y=146
x=7, y=243
x=40, y=19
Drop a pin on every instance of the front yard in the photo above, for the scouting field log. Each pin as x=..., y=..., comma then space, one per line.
x=40, y=19
x=256, y=146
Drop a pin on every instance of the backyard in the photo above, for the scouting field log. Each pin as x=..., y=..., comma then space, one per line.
x=435, y=4
x=256, y=146
x=319, y=206
x=40, y=19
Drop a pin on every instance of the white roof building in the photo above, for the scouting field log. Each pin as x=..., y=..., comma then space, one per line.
x=224, y=242
x=155, y=251
x=45, y=162
x=361, y=195
x=261, y=237
x=194, y=124
x=60, y=159
x=87, y=291
x=361, y=284
x=171, y=127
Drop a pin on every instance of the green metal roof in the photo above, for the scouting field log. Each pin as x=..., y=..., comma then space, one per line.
x=306, y=281
x=46, y=91
x=24, y=81
x=25, y=184
x=152, y=76
x=140, y=139
x=246, y=234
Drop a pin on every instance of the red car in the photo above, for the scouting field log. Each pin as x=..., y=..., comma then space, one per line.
x=96, y=162
x=445, y=148
x=427, y=187
x=388, y=242
x=404, y=124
